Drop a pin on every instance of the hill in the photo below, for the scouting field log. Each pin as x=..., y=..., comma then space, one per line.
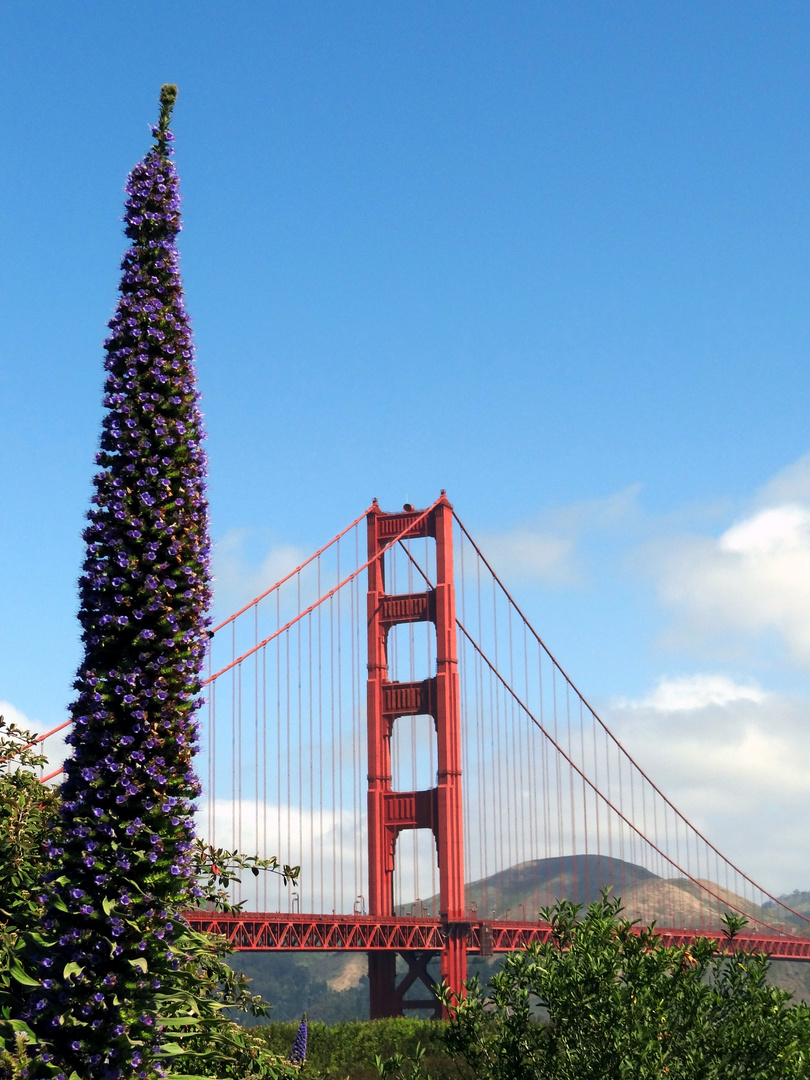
x=521, y=891
x=333, y=987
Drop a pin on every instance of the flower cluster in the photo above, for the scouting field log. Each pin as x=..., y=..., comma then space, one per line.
x=298, y=1054
x=122, y=868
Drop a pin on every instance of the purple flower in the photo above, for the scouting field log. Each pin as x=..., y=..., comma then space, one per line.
x=144, y=591
x=298, y=1054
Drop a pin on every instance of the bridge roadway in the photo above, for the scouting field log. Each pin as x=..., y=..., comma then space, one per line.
x=274, y=932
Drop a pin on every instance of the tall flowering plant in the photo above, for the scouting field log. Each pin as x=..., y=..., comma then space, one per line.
x=121, y=870
x=298, y=1054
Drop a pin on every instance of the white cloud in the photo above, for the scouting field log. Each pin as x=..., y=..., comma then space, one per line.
x=768, y=533
x=732, y=758
x=696, y=692
x=750, y=582
x=13, y=715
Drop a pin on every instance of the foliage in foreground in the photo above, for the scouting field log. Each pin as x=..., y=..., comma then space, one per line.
x=25, y=809
x=211, y=1044
x=621, y=1005
x=351, y=1049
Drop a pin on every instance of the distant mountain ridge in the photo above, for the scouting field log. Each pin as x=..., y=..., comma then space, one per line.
x=520, y=892
x=799, y=901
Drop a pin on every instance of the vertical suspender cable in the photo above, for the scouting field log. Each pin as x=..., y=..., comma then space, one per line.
x=212, y=787
x=575, y=896
x=264, y=771
x=288, y=738
x=300, y=726
x=311, y=756
x=320, y=739
x=484, y=758
x=340, y=731
x=239, y=843
x=352, y=650
x=585, y=850
x=256, y=757
x=335, y=840
x=234, y=733
x=513, y=768
x=278, y=738
x=599, y=882
x=530, y=766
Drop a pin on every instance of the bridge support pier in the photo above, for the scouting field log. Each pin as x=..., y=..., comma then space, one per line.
x=382, y=980
x=387, y=996
x=439, y=808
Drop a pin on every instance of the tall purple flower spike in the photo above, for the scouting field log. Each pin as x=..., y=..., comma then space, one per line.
x=121, y=866
x=298, y=1054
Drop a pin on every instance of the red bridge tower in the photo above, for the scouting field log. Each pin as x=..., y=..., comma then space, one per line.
x=439, y=808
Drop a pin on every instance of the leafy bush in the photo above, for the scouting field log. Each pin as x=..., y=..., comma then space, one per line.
x=212, y=1044
x=620, y=1004
x=25, y=809
x=349, y=1050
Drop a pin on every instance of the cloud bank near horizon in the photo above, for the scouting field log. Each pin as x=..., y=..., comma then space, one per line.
x=732, y=757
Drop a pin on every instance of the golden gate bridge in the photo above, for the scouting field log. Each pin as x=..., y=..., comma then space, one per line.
x=386, y=717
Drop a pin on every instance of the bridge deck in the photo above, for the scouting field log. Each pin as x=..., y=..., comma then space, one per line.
x=270, y=931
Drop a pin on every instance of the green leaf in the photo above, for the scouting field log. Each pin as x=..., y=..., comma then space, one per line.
x=72, y=969
x=38, y=939
x=140, y=962
x=16, y=971
x=178, y=1021
x=20, y=1025
x=108, y=905
x=171, y=1049
x=187, y=1076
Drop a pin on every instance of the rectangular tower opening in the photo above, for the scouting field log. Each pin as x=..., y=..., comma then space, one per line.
x=414, y=754
x=416, y=875
x=411, y=651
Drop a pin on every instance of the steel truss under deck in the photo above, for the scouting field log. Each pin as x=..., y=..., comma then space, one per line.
x=270, y=932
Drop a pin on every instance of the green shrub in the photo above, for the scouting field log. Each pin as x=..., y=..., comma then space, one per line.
x=348, y=1051
x=622, y=1005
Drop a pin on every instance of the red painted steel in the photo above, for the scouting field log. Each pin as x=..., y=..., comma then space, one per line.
x=384, y=938
x=438, y=809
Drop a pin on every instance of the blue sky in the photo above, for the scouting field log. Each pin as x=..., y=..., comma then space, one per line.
x=553, y=258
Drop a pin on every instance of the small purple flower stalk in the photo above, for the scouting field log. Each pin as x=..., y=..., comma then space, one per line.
x=122, y=866
x=298, y=1054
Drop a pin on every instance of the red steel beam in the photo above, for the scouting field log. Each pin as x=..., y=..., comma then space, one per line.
x=269, y=931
